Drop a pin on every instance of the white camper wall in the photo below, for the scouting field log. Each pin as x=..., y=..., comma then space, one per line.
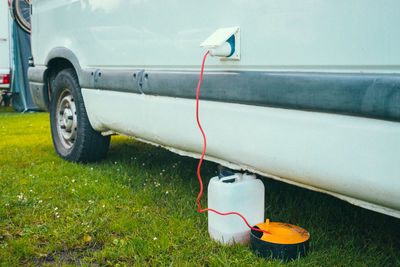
x=300, y=35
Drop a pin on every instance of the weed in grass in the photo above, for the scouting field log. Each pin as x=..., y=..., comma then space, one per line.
x=138, y=207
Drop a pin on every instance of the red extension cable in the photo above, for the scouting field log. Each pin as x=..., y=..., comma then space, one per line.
x=204, y=152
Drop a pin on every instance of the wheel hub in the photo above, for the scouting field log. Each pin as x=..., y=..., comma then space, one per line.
x=66, y=119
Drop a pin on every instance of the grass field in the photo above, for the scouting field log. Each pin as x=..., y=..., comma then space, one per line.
x=138, y=207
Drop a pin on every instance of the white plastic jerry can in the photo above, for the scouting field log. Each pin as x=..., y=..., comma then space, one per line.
x=237, y=192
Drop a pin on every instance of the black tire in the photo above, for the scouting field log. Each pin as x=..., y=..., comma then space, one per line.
x=21, y=12
x=73, y=137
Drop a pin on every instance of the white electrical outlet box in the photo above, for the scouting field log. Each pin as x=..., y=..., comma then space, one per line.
x=224, y=43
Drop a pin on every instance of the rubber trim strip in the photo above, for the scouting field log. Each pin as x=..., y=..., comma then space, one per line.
x=372, y=95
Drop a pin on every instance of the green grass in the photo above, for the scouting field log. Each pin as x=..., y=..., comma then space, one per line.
x=138, y=207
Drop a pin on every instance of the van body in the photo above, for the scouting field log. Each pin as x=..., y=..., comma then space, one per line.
x=313, y=99
x=4, y=46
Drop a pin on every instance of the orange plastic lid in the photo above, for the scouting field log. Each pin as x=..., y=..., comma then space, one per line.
x=283, y=233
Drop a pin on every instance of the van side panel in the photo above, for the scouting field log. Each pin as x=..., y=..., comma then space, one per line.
x=300, y=35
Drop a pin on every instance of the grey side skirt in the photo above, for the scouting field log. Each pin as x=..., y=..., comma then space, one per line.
x=370, y=95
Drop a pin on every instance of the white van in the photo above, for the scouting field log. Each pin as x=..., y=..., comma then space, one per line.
x=4, y=46
x=306, y=92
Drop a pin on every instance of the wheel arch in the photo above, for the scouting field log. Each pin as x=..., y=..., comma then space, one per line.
x=58, y=59
x=62, y=55
x=54, y=66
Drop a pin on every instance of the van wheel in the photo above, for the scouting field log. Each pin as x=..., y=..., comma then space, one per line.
x=73, y=137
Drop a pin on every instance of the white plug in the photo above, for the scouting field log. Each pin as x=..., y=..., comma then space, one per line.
x=223, y=50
